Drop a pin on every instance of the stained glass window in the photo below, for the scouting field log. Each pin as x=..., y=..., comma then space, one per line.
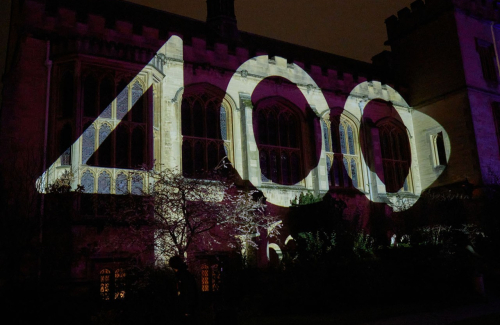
x=104, y=183
x=88, y=182
x=121, y=184
x=88, y=143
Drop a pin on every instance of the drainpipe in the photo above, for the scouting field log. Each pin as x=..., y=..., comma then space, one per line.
x=48, y=64
x=495, y=44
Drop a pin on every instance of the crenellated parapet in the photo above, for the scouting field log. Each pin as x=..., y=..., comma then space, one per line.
x=420, y=13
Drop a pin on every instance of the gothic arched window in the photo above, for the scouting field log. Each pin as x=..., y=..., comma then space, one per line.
x=341, y=146
x=88, y=182
x=279, y=144
x=137, y=184
x=104, y=183
x=395, y=156
x=205, y=134
x=121, y=184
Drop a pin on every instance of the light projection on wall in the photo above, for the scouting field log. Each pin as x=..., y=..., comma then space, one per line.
x=283, y=138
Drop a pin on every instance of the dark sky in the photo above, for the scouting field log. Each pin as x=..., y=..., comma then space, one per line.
x=352, y=28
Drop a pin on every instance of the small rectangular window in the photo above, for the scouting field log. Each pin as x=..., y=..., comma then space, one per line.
x=438, y=149
x=487, y=57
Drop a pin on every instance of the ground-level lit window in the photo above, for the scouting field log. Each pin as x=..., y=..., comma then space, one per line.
x=210, y=277
x=112, y=284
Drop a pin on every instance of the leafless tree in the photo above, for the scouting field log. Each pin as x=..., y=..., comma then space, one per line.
x=178, y=215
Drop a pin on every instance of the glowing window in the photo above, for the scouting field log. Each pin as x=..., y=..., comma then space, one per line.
x=120, y=283
x=210, y=277
x=105, y=281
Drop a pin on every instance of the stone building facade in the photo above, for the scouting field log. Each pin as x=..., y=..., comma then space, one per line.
x=104, y=92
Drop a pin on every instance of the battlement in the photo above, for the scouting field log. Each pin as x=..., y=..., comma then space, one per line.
x=421, y=12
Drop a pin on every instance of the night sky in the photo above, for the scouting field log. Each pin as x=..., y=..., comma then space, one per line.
x=352, y=28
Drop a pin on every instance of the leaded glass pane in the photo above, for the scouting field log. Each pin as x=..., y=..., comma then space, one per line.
x=88, y=142
x=122, y=104
x=104, y=131
x=88, y=182
x=342, y=138
x=354, y=173
x=104, y=276
x=285, y=169
x=328, y=169
x=106, y=98
x=137, y=92
x=283, y=131
x=274, y=167
x=223, y=123
x=212, y=116
x=187, y=159
x=296, y=169
x=350, y=139
x=199, y=157
x=137, y=185
x=198, y=119
x=272, y=129
x=121, y=184
x=186, y=118
x=264, y=166
x=345, y=172
x=213, y=157
x=104, y=183
x=262, y=121
x=326, y=138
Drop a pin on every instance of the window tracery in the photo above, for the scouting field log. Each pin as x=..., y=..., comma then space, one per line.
x=279, y=144
x=88, y=182
x=341, y=147
x=205, y=134
x=104, y=183
x=395, y=156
